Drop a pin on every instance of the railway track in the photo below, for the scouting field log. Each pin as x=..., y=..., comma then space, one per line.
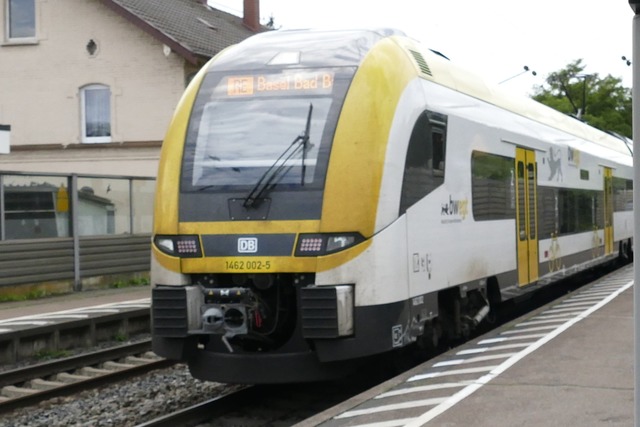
x=61, y=377
x=206, y=410
x=222, y=405
x=274, y=406
x=280, y=406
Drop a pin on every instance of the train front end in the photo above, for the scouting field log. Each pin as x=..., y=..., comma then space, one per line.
x=267, y=192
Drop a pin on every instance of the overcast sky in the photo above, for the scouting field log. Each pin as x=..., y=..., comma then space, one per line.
x=495, y=38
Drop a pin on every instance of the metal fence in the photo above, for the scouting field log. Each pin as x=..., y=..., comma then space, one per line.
x=71, y=227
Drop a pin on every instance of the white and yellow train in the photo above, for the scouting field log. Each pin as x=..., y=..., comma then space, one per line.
x=324, y=196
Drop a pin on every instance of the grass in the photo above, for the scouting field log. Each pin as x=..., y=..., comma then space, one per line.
x=138, y=281
x=120, y=337
x=46, y=354
x=17, y=295
x=38, y=293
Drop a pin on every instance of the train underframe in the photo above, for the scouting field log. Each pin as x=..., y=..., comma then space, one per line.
x=281, y=328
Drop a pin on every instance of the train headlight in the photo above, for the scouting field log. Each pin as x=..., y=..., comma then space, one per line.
x=180, y=246
x=323, y=244
x=338, y=243
x=165, y=244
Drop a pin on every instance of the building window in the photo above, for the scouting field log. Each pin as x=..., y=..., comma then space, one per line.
x=96, y=113
x=21, y=19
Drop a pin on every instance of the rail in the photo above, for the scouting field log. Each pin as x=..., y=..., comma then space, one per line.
x=207, y=410
x=108, y=373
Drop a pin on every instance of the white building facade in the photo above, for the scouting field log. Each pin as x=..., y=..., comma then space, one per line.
x=89, y=86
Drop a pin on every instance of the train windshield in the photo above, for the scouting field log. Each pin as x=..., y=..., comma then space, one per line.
x=246, y=125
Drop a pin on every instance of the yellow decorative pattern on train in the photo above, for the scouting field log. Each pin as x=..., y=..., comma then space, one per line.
x=357, y=156
x=328, y=262
x=168, y=182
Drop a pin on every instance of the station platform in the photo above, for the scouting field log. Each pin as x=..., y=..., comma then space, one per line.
x=56, y=303
x=58, y=324
x=570, y=363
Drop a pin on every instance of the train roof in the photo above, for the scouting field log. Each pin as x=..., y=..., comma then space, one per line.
x=336, y=48
x=303, y=48
x=437, y=68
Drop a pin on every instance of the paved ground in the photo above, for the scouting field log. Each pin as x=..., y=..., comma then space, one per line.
x=13, y=309
x=584, y=377
x=569, y=364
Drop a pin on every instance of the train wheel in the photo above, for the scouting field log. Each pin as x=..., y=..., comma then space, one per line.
x=430, y=339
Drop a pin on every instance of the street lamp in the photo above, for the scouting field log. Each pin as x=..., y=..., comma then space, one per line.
x=526, y=70
x=584, y=78
x=579, y=112
x=627, y=61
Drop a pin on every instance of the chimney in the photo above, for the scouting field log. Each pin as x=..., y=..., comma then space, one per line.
x=251, y=17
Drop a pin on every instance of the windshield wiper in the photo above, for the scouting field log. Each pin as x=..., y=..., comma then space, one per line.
x=279, y=168
x=305, y=142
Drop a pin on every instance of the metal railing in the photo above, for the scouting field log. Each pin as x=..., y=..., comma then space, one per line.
x=71, y=227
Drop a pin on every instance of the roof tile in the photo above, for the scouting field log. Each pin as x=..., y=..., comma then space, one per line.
x=200, y=29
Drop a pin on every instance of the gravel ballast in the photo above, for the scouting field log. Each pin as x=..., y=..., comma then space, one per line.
x=126, y=403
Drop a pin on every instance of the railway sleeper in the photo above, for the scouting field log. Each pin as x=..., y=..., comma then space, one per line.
x=142, y=360
x=68, y=378
x=12, y=391
x=40, y=384
x=117, y=366
x=90, y=371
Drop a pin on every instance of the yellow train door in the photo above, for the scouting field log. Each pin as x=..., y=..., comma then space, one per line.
x=526, y=216
x=608, y=211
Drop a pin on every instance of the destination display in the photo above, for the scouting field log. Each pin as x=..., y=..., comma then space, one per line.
x=306, y=82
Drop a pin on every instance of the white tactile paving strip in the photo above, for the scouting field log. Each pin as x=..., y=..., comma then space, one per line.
x=44, y=319
x=424, y=396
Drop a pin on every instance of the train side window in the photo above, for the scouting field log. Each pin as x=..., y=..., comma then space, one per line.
x=548, y=211
x=564, y=211
x=493, y=192
x=437, y=137
x=622, y=194
x=425, y=160
x=579, y=210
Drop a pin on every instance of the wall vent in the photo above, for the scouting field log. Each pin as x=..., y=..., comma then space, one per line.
x=422, y=64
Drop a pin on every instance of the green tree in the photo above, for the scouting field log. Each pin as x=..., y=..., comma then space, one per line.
x=603, y=103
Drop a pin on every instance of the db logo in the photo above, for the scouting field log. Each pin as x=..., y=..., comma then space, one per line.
x=248, y=245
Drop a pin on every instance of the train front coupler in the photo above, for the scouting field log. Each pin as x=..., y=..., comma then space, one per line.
x=229, y=312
